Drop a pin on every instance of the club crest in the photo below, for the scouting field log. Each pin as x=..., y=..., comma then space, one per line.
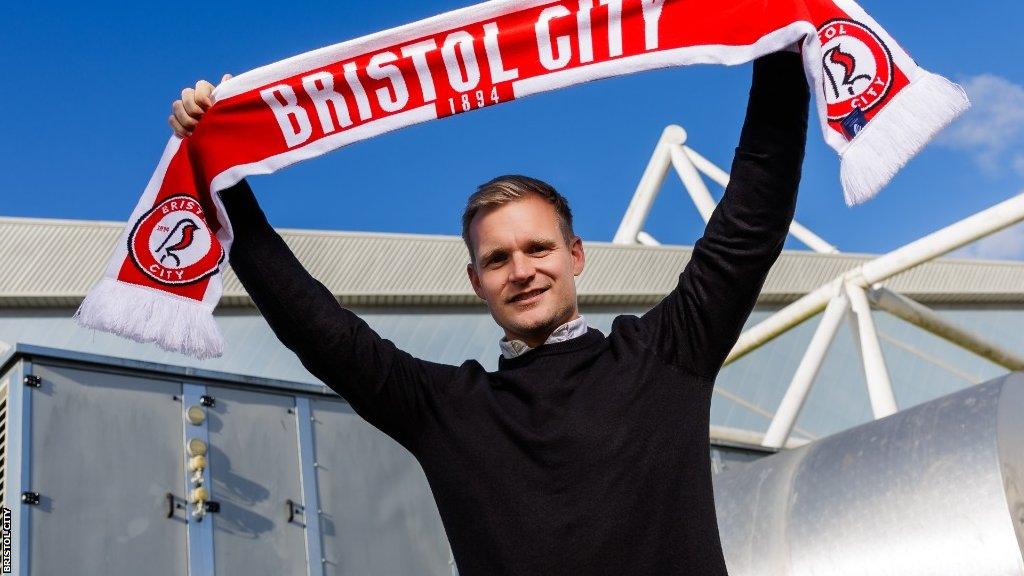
x=857, y=68
x=171, y=244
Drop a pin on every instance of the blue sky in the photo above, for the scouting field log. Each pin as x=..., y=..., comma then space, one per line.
x=89, y=85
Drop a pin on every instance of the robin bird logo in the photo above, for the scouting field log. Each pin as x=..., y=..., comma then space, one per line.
x=848, y=63
x=172, y=243
x=179, y=238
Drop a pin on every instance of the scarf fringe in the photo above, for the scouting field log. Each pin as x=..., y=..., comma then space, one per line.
x=144, y=315
x=897, y=133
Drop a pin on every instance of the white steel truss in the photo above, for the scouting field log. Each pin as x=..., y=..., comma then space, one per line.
x=850, y=296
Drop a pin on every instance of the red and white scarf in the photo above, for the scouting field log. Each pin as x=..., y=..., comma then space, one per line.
x=877, y=108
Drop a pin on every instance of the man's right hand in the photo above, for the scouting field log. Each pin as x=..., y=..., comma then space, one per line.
x=186, y=113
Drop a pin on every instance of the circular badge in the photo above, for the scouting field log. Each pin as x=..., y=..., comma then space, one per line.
x=857, y=67
x=171, y=244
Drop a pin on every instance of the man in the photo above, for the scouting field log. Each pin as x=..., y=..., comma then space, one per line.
x=583, y=454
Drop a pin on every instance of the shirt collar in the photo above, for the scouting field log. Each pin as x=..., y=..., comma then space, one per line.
x=571, y=329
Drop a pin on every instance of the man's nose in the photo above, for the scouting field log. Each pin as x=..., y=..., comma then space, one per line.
x=522, y=268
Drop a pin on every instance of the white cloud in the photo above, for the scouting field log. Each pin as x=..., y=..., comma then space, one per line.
x=992, y=132
x=1006, y=244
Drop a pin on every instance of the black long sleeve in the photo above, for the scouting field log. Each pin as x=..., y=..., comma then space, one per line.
x=587, y=456
x=385, y=385
x=697, y=324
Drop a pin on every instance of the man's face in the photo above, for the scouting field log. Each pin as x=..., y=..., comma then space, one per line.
x=524, y=268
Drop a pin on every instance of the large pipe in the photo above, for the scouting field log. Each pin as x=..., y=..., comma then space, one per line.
x=934, y=489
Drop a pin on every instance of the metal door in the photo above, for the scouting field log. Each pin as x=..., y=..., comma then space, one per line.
x=379, y=515
x=105, y=452
x=254, y=469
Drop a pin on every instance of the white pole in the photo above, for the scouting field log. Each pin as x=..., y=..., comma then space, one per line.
x=647, y=190
x=789, y=317
x=936, y=244
x=796, y=395
x=883, y=401
x=693, y=183
x=717, y=175
x=810, y=239
x=748, y=437
x=646, y=239
x=988, y=221
x=799, y=231
x=927, y=319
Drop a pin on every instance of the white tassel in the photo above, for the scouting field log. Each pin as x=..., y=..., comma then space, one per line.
x=144, y=315
x=897, y=133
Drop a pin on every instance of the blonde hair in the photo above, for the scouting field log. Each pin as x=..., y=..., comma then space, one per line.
x=510, y=188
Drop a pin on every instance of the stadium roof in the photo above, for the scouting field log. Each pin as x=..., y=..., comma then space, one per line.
x=51, y=263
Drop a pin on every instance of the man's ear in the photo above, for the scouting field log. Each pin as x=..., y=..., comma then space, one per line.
x=474, y=280
x=578, y=257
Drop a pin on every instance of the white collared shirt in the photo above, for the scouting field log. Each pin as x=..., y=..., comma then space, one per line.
x=567, y=331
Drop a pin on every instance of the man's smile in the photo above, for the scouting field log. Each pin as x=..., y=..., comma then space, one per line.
x=529, y=296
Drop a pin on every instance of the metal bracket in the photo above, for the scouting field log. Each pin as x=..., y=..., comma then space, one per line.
x=172, y=505
x=30, y=498
x=32, y=381
x=293, y=508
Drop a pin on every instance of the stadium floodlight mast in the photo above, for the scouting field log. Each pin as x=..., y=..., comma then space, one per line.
x=850, y=295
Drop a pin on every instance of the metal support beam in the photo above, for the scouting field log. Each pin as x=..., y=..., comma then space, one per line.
x=929, y=358
x=883, y=401
x=671, y=151
x=709, y=168
x=729, y=435
x=693, y=182
x=964, y=232
x=646, y=239
x=796, y=395
x=925, y=318
x=647, y=190
x=719, y=176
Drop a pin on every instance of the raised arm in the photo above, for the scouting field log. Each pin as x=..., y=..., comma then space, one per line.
x=384, y=385
x=698, y=323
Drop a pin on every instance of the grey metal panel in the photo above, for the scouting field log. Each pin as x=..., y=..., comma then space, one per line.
x=58, y=260
x=254, y=469
x=919, y=492
x=379, y=515
x=106, y=451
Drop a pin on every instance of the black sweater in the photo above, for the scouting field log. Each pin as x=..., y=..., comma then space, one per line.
x=583, y=457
